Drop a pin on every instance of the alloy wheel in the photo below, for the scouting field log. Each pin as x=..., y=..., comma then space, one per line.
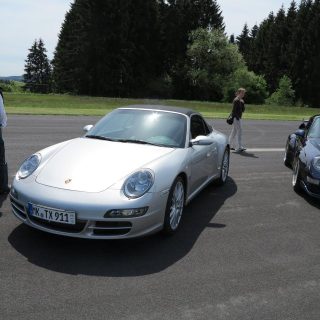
x=225, y=166
x=176, y=206
x=296, y=176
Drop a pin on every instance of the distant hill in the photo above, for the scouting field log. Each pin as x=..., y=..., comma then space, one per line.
x=12, y=78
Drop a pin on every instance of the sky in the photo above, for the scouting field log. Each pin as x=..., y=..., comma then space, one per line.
x=24, y=21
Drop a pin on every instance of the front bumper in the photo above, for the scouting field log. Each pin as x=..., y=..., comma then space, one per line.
x=90, y=209
x=311, y=186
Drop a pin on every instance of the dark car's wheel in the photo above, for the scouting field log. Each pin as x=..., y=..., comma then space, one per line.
x=296, y=179
x=224, y=168
x=286, y=159
x=175, y=206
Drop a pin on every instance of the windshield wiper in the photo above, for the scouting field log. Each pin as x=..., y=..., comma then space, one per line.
x=133, y=141
x=124, y=140
x=138, y=141
x=92, y=136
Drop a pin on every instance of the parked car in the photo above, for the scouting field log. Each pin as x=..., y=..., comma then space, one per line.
x=303, y=155
x=130, y=175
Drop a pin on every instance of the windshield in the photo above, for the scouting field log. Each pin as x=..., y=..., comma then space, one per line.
x=142, y=126
x=314, y=131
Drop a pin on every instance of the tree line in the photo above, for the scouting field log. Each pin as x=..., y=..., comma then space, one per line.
x=178, y=49
x=285, y=48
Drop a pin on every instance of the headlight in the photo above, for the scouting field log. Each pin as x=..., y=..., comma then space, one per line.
x=316, y=163
x=29, y=166
x=138, y=184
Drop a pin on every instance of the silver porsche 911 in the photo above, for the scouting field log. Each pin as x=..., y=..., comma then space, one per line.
x=130, y=175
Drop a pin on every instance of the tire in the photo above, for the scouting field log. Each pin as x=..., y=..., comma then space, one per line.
x=286, y=161
x=296, y=179
x=175, y=206
x=224, y=168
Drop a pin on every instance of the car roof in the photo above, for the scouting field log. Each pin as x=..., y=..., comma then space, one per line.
x=185, y=111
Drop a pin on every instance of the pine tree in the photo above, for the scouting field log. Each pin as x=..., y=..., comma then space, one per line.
x=143, y=37
x=277, y=63
x=232, y=39
x=252, y=55
x=108, y=48
x=304, y=45
x=262, y=46
x=207, y=14
x=71, y=57
x=244, y=42
x=38, y=69
x=254, y=32
x=314, y=82
x=109, y=69
x=121, y=47
x=289, y=45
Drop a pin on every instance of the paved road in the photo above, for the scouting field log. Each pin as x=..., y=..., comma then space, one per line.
x=248, y=250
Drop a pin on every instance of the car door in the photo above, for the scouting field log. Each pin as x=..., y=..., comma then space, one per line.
x=203, y=161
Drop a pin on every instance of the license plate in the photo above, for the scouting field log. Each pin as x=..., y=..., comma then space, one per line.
x=51, y=214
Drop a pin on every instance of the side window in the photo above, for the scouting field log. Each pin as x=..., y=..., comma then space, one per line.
x=198, y=127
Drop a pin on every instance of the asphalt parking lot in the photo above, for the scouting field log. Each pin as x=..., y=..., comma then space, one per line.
x=247, y=250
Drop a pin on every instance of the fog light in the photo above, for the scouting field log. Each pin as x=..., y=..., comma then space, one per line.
x=126, y=213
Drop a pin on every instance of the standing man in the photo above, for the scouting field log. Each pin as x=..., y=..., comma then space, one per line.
x=4, y=188
x=237, y=110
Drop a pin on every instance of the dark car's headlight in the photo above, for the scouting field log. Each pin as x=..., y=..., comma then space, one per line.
x=138, y=184
x=29, y=166
x=316, y=163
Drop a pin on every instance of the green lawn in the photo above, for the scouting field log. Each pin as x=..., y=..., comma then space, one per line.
x=26, y=103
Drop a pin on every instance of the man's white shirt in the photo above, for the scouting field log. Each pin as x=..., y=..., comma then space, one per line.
x=3, y=115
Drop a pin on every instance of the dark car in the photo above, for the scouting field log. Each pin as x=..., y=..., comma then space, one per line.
x=303, y=155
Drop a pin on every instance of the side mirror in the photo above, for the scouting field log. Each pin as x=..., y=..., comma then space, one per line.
x=87, y=128
x=300, y=133
x=201, y=141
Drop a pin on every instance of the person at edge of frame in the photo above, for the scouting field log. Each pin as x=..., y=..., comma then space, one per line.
x=4, y=188
x=237, y=111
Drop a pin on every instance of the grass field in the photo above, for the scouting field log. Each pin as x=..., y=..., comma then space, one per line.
x=54, y=104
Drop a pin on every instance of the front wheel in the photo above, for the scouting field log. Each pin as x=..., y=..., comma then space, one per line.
x=296, y=179
x=175, y=206
x=224, y=171
x=286, y=159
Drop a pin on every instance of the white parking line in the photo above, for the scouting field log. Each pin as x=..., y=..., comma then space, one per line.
x=265, y=150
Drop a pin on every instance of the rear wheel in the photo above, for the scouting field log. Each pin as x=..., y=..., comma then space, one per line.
x=175, y=206
x=224, y=168
x=296, y=179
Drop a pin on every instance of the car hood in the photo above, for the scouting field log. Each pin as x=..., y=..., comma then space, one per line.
x=89, y=165
x=315, y=143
